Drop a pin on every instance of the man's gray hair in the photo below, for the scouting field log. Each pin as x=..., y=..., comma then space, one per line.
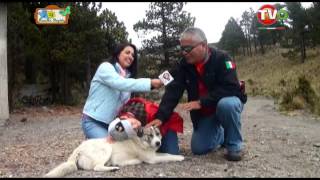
x=196, y=33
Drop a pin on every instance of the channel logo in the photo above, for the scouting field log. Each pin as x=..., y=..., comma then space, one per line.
x=52, y=15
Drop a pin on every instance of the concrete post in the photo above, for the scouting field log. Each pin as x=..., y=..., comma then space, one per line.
x=4, y=106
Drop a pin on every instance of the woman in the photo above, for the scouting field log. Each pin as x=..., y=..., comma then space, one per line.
x=111, y=88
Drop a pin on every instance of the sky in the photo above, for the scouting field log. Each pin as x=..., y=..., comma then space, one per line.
x=211, y=17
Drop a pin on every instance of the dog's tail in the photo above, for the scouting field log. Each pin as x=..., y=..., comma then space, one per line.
x=66, y=167
x=62, y=170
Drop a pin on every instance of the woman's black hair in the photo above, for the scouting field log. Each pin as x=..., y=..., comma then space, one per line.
x=133, y=67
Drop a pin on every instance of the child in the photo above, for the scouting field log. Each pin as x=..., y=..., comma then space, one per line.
x=131, y=118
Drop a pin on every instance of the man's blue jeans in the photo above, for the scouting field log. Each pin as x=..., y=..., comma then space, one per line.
x=96, y=129
x=222, y=128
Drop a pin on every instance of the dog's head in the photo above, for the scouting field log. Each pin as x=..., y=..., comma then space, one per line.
x=151, y=137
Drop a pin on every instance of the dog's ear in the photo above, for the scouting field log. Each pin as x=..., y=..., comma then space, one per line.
x=156, y=129
x=140, y=132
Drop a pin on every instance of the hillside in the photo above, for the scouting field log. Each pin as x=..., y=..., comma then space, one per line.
x=274, y=76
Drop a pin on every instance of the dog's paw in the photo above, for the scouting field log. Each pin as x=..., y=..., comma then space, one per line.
x=180, y=158
x=113, y=169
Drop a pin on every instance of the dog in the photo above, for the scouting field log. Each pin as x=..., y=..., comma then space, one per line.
x=99, y=155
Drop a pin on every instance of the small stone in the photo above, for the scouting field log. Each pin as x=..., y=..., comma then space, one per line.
x=315, y=159
x=316, y=145
x=23, y=119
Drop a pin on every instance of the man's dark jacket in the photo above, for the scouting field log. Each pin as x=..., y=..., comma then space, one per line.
x=220, y=81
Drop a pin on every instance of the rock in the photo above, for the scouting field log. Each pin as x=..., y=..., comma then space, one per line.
x=23, y=119
x=316, y=145
x=315, y=159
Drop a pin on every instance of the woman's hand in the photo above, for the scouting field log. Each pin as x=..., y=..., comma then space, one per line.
x=156, y=83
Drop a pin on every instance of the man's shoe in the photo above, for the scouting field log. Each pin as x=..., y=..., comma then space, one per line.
x=233, y=156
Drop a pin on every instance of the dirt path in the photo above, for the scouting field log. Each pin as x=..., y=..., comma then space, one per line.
x=275, y=146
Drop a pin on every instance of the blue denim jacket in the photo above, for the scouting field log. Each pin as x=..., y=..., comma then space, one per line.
x=106, y=92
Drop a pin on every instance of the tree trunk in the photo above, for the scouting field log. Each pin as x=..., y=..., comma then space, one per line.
x=233, y=55
x=30, y=72
x=255, y=43
x=64, y=83
x=243, y=50
x=11, y=78
x=4, y=108
x=88, y=72
x=247, y=45
x=249, y=41
x=303, y=48
x=52, y=76
x=261, y=46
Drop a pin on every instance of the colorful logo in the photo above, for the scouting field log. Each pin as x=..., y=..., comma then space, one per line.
x=52, y=15
x=268, y=15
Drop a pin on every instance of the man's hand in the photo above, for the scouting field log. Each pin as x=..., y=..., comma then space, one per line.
x=155, y=122
x=192, y=105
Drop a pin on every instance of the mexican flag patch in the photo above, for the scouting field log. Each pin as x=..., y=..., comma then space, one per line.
x=230, y=65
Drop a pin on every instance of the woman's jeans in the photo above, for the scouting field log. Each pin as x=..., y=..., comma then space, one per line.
x=222, y=128
x=96, y=129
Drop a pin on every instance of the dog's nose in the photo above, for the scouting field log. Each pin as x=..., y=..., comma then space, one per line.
x=158, y=143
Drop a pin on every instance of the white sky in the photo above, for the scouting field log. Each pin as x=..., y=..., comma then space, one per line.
x=211, y=17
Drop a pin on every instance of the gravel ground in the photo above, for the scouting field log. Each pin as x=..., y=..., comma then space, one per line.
x=35, y=141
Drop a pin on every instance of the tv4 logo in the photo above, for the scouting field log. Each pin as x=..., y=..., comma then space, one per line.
x=268, y=15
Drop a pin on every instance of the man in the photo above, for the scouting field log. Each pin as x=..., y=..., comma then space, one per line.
x=215, y=99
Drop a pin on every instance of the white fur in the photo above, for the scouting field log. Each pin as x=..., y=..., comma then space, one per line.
x=93, y=154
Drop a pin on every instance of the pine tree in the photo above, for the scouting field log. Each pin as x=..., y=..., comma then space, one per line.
x=313, y=15
x=232, y=37
x=168, y=20
x=299, y=21
x=62, y=56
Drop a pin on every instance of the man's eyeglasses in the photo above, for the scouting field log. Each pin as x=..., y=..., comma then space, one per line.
x=189, y=48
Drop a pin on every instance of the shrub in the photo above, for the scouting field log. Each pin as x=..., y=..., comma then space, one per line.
x=299, y=97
